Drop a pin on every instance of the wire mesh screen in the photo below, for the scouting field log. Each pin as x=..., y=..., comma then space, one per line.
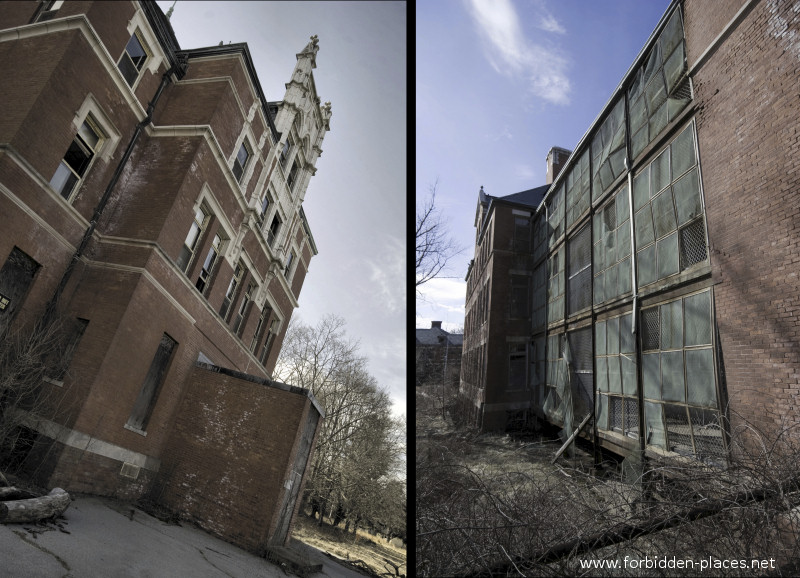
x=708, y=435
x=615, y=413
x=651, y=330
x=693, y=244
x=631, y=409
x=678, y=430
x=671, y=325
x=683, y=156
x=698, y=319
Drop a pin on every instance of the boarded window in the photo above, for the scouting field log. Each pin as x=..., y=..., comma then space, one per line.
x=146, y=401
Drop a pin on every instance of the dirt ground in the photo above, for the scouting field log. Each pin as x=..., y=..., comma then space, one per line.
x=372, y=555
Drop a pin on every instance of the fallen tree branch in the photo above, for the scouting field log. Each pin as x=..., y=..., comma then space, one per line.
x=33, y=509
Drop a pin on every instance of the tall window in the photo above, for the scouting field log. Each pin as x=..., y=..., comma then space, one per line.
x=273, y=330
x=261, y=327
x=579, y=274
x=292, y=178
x=208, y=264
x=287, y=149
x=264, y=206
x=240, y=162
x=16, y=277
x=132, y=60
x=287, y=271
x=77, y=159
x=230, y=294
x=146, y=401
x=274, y=227
x=238, y=324
x=612, y=249
x=192, y=237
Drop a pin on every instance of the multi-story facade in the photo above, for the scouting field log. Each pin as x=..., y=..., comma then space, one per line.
x=669, y=244
x=152, y=197
x=498, y=310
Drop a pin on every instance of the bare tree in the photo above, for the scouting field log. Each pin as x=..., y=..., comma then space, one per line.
x=435, y=246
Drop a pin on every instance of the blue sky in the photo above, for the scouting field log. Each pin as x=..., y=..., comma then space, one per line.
x=356, y=203
x=498, y=83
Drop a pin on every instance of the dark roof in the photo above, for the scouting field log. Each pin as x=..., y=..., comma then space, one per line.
x=437, y=336
x=531, y=197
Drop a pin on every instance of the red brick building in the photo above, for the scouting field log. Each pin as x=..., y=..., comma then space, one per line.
x=152, y=195
x=669, y=245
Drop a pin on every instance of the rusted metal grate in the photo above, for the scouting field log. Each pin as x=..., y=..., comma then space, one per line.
x=615, y=413
x=651, y=330
x=631, y=417
x=693, y=244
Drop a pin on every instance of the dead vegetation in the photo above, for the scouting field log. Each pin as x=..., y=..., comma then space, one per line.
x=493, y=505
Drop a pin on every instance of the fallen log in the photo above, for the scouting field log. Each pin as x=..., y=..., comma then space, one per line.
x=34, y=509
x=13, y=493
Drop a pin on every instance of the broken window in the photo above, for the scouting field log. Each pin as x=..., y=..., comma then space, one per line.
x=556, y=378
x=577, y=187
x=516, y=366
x=77, y=159
x=660, y=89
x=133, y=58
x=555, y=286
x=678, y=372
x=240, y=162
x=146, y=400
x=238, y=324
x=615, y=357
x=190, y=244
x=608, y=150
x=208, y=265
x=668, y=221
x=16, y=278
x=274, y=228
x=230, y=294
x=580, y=274
x=612, y=249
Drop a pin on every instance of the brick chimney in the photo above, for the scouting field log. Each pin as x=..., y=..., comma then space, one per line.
x=555, y=162
x=436, y=324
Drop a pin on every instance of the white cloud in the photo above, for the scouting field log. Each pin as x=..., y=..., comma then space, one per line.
x=388, y=274
x=512, y=55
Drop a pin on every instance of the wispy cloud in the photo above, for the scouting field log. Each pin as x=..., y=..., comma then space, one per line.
x=510, y=53
x=388, y=274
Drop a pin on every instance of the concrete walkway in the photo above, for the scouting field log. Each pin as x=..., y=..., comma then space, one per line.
x=102, y=538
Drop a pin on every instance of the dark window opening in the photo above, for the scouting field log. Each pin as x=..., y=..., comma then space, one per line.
x=16, y=278
x=238, y=325
x=132, y=60
x=208, y=264
x=76, y=160
x=146, y=401
x=274, y=227
x=230, y=294
x=240, y=162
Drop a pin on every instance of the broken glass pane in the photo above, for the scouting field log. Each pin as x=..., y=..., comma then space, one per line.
x=672, y=34
x=646, y=260
x=651, y=375
x=655, y=425
x=672, y=383
x=664, y=214
x=667, y=253
x=707, y=432
x=680, y=439
x=698, y=319
x=674, y=68
x=687, y=197
x=653, y=64
x=700, y=377
x=655, y=93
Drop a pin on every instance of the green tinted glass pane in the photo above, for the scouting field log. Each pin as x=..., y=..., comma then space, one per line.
x=654, y=417
x=612, y=331
x=659, y=173
x=602, y=374
x=623, y=241
x=687, y=197
x=614, y=377
x=641, y=188
x=600, y=338
x=639, y=141
x=626, y=337
x=655, y=93
x=672, y=34
x=672, y=325
x=664, y=214
x=667, y=250
x=651, y=375
x=700, y=377
x=638, y=115
x=643, y=221
x=628, y=368
x=683, y=155
x=621, y=200
x=672, y=376
x=599, y=289
x=674, y=67
x=676, y=105
x=602, y=412
x=658, y=120
x=624, y=280
x=646, y=260
x=698, y=319
x=610, y=279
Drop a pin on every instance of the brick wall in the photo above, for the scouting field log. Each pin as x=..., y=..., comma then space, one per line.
x=749, y=144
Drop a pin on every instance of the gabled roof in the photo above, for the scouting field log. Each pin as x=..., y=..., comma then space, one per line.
x=438, y=336
x=531, y=197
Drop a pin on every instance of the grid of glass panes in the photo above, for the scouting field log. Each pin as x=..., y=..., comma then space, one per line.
x=579, y=284
x=555, y=286
x=608, y=150
x=615, y=357
x=539, y=299
x=537, y=375
x=556, y=378
x=555, y=215
x=612, y=249
x=577, y=187
x=540, y=237
x=660, y=88
x=668, y=212
x=678, y=378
